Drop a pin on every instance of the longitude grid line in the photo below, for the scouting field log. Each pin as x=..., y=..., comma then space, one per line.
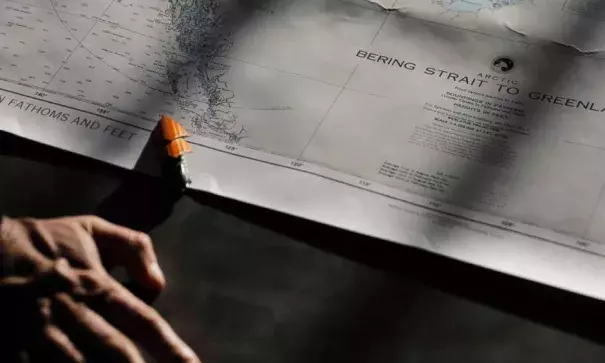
x=340, y=93
x=109, y=65
x=79, y=41
x=321, y=122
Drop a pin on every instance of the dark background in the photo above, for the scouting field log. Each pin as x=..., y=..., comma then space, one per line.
x=250, y=285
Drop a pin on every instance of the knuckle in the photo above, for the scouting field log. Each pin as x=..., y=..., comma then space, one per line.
x=92, y=218
x=153, y=319
x=141, y=241
x=29, y=221
x=109, y=339
x=92, y=283
x=86, y=221
x=110, y=295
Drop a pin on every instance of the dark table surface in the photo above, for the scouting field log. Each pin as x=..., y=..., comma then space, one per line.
x=250, y=285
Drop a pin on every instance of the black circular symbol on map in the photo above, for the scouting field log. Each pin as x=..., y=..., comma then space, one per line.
x=503, y=64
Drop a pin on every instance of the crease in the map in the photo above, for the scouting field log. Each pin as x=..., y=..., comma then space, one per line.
x=573, y=47
x=395, y=6
x=381, y=4
x=451, y=5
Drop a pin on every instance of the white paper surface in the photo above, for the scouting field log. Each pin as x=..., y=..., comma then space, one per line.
x=467, y=128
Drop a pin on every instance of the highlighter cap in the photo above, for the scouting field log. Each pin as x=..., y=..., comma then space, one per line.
x=172, y=130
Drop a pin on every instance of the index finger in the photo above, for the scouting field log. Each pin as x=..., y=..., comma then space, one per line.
x=126, y=247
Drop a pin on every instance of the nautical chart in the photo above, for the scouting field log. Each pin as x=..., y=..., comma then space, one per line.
x=456, y=108
x=136, y=58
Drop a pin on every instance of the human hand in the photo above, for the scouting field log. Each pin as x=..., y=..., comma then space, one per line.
x=59, y=303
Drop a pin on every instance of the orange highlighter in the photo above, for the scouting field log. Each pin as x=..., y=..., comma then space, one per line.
x=177, y=147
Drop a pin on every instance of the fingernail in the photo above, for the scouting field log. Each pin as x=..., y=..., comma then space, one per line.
x=157, y=274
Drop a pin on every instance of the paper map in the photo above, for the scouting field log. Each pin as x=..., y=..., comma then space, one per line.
x=464, y=127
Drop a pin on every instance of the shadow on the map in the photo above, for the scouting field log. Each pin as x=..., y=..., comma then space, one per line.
x=475, y=187
x=205, y=33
